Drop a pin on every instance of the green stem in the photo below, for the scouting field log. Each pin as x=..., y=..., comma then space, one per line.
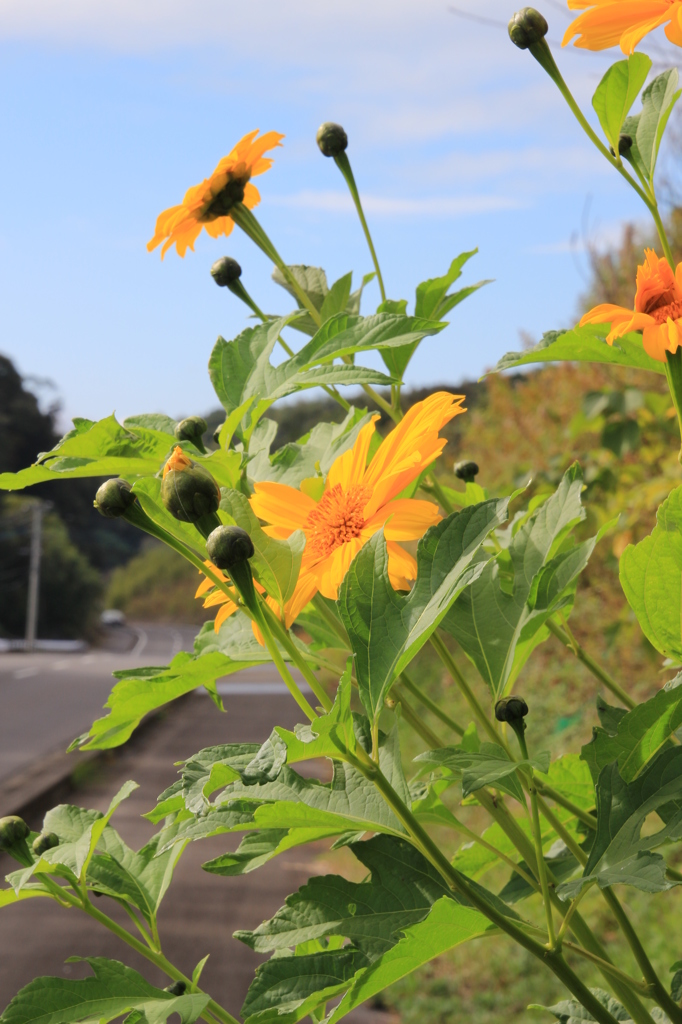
x=559, y=798
x=281, y=633
x=430, y=704
x=609, y=968
x=673, y=373
x=440, y=494
x=343, y=164
x=417, y=723
x=154, y=956
x=460, y=884
x=449, y=662
x=537, y=836
x=656, y=988
x=597, y=671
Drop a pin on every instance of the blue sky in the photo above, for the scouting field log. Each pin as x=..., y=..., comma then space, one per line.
x=111, y=110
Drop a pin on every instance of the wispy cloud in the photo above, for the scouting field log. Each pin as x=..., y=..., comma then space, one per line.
x=397, y=206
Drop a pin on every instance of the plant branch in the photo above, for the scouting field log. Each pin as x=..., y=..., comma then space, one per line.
x=430, y=704
x=568, y=640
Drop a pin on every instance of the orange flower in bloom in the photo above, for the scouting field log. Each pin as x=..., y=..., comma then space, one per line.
x=609, y=22
x=357, y=501
x=657, y=312
x=302, y=595
x=208, y=205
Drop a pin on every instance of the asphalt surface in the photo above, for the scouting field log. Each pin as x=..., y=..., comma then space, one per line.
x=51, y=704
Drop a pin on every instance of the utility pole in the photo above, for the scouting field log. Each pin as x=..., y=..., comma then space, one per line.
x=34, y=575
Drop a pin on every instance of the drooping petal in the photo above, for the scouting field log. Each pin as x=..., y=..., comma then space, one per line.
x=607, y=24
x=281, y=505
x=224, y=613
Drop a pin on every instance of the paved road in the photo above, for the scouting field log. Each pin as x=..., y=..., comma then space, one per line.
x=48, y=699
x=201, y=910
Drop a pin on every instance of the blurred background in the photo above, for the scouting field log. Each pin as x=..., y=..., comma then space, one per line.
x=109, y=112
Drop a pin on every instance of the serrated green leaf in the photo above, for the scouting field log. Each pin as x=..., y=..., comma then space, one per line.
x=257, y=848
x=114, y=990
x=431, y=294
x=387, y=628
x=571, y=1012
x=500, y=619
x=141, y=878
x=104, y=448
x=651, y=576
x=288, y=988
x=619, y=852
x=276, y=563
x=449, y=924
x=153, y=421
x=640, y=735
x=616, y=93
x=346, y=335
x=583, y=345
x=490, y=765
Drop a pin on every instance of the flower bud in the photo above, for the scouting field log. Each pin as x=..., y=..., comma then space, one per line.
x=624, y=146
x=114, y=498
x=511, y=710
x=227, y=546
x=188, y=491
x=12, y=831
x=191, y=429
x=225, y=270
x=527, y=27
x=332, y=139
x=178, y=988
x=466, y=471
x=45, y=841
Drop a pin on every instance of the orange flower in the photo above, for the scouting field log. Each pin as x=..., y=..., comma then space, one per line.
x=657, y=312
x=178, y=461
x=292, y=609
x=609, y=22
x=208, y=205
x=357, y=501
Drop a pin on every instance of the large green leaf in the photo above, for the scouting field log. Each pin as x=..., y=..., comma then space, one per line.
x=616, y=93
x=257, y=848
x=104, y=448
x=488, y=766
x=305, y=458
x=140, y=878
x=620, y=853
x=639, y=735
x=275, y=563
x=114, y=991
x=500, y=619
x=651, y=576
x=241, y=370
x=387, y=628
x=449, y=924
x=288, y=988
x=584, y=345
x=646, y=128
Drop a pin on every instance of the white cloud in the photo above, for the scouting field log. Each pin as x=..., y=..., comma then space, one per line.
x=396, y=206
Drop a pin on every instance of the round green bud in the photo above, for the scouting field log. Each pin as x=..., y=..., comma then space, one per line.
x=332, y=139
x=178, y=988
x=624, y=145
x=466, y=471
x=45, y=841
x=191, y=429
x=225, y=270
x=188, y=491
x=229, y=545
x=114, y=498
x=511, y=709
x=12, y=830
x=527, y=27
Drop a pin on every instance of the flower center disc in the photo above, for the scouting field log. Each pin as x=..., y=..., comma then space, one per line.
x=672, y=311
x=338, y=518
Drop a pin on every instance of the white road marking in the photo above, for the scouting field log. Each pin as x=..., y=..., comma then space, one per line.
x=253, y=689
x=142, y=639
x=24, y=673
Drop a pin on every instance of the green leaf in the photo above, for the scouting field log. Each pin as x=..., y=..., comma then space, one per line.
x=241, y=369
x=449, y=924
x=114, y=990
x=346, y=335
x=491, y=765
x=257, y=848
x=651, y=576
x=500, y=619
x=331, y=735
x=97, y=449
x=141, y=878
x=8, y=897
x=616, y=93
x=431, y=294
x=153, y=421
x=583, y=345
x=276, y=563
x=646, y=128
x=620, y=854
x=640, y=734
x=288, y=988
x=568, y=1011
x=80, y=835
x=336, y=299
x=300, y=460
x=387, y=628
x=560, y=861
